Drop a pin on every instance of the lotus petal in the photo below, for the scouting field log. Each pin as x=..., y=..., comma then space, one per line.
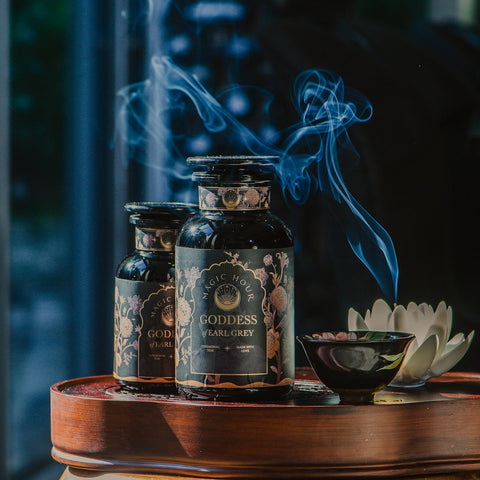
x=453, y=355
x=367, y=317
x=443, y=320
x=430, y=353
x=439, y=333
x=426, y=309
x=454, y=341
x=417, y=321
x=355, y=321
x=449, y=321
x=380, y=315
x=400, y=320
x=412, y=348
x=419, y=363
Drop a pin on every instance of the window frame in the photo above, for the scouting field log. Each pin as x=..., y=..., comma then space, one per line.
x=4, y=228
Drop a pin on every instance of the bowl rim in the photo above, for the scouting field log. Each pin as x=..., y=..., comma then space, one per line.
x=394, y=336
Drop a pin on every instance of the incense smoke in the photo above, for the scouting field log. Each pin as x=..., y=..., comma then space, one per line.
x=173, y=112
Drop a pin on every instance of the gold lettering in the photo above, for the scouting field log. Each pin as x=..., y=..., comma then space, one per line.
x=152, y=333
x=226, y=320
x=218, y=333
x=242, y=333
x=165, y=344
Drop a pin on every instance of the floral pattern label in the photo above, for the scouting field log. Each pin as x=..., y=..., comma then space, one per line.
x=155, y=239
x=234, y=321
x=144, y=331
x=234, y=198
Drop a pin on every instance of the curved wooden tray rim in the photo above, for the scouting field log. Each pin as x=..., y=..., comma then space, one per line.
x=447, y=378
x=195, y=455
x=280, y=471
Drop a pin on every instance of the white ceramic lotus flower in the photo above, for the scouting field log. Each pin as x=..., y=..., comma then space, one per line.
x=431, y=353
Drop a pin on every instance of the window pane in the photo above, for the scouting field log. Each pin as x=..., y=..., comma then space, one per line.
x=40, y=315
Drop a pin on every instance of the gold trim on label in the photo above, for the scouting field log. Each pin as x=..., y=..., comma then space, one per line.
x=155, y=239
x=145, y=379
x=195, y=383
x=234, y=198
x=192, y=370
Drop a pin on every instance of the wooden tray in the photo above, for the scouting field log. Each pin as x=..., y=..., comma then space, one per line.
x=435, y=429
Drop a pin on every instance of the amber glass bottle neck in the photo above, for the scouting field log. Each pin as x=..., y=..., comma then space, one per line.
x=155, y=239
x=228, y=198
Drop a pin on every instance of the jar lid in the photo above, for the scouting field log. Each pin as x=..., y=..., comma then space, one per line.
x=232, y=160
x=233, y=170
x=169, y=212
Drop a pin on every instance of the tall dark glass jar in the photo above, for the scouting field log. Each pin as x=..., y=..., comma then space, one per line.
x=144, y=330
x=235, y=308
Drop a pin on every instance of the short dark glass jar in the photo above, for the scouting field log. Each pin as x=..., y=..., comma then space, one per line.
x=235, y=303
x=144, y=328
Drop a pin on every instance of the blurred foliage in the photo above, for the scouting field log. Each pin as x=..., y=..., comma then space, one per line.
x=38, y=83
x=398, y=14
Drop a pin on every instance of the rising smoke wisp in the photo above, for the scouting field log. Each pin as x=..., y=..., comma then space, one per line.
x=309, y=152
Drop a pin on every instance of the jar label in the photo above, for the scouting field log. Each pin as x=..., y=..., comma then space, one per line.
x=155, y=239
x=234, y=198
x=144, y=331
x=234, y=318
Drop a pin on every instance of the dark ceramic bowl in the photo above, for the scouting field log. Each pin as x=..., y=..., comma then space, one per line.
x=357, y=369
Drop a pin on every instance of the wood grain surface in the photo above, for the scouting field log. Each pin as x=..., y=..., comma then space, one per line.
x=430, y=431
